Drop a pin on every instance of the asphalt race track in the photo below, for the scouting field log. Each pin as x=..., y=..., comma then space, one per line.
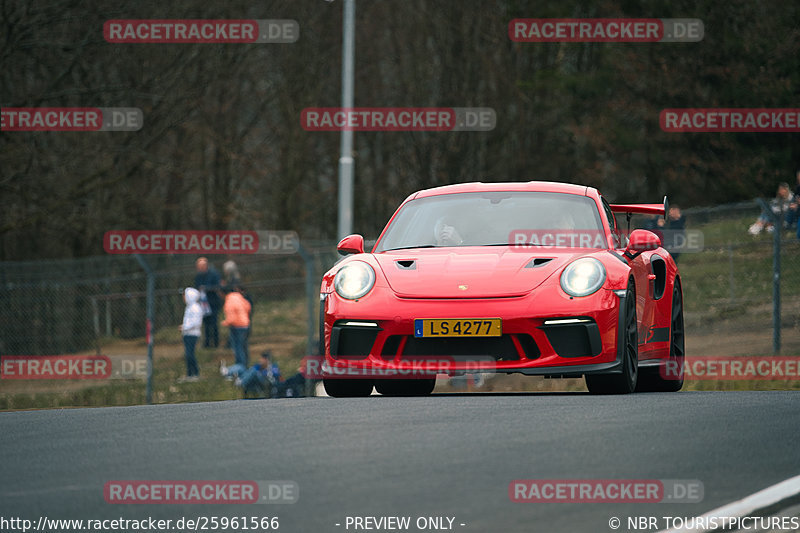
x=440, y=456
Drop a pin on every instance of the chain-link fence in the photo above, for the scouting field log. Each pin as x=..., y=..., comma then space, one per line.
x=737, y=295
x=77, y=305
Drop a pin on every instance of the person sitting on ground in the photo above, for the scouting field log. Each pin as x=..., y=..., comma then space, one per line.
x=261, y=379
x=293, y=387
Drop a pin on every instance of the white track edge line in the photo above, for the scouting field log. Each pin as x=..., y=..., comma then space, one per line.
x=749, y=504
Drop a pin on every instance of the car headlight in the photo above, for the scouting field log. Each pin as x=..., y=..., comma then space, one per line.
x=354, y=280
x=583, y=277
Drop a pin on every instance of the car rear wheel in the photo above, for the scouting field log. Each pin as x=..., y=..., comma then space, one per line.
x=670, y=377
x=624, y=382
x=405, y=387
x=347, y=388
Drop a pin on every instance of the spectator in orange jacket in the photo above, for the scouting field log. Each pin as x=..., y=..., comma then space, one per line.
x=237, y=317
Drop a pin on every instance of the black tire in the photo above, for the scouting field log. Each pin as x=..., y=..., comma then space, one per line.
x=624, y=382
x=347, y=388
x=405, y=387
x=657, y=379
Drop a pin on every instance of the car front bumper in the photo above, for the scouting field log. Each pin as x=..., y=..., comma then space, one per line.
x=543, y=333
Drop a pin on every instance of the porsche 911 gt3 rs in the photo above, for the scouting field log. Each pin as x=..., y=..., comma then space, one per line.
x=538, y=278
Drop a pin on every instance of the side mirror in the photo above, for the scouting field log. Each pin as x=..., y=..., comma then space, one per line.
x=352, y=244
x=641, y=240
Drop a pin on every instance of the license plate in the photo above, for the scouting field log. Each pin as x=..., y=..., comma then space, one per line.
x=458, y=327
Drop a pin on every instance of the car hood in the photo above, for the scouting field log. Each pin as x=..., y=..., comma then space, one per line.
x=469, y=272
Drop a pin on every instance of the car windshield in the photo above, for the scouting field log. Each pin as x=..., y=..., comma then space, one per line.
x=496, y=219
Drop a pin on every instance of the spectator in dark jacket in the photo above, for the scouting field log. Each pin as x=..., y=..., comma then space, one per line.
x=671, y=231
x=207, y=281
x=676, y=230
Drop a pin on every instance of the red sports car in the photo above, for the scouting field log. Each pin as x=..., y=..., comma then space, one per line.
x=538, y=278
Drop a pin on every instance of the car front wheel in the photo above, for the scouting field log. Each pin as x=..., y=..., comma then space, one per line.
x=624, y=382
x=405, y=387
x=347, y=388
x=669, y=378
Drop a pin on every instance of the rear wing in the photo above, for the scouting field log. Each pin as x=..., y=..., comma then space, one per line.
x=645, y=209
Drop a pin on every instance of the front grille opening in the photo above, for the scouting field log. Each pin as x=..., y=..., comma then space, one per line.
x=390, y=347
x=352, y=342
x=574, y=340
x=500, y=348
x=529, y=347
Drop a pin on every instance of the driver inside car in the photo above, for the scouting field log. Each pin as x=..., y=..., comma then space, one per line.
x=445, y=232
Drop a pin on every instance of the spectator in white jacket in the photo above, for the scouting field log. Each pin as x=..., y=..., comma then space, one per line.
x=192, y=322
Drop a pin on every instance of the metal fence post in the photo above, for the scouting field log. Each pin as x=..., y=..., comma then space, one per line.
x=151, y=286
x=776, y=285
x=311, y=299
x=95, y=317
x=777, y=228
x=108, y=318
x=730, y=274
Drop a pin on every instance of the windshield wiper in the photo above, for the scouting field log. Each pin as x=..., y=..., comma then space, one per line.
x=411, y=247
x=513, y=244
x=462, y=246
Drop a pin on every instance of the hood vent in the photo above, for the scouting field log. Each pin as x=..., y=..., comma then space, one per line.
x=538, y=261
x=406, y=264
